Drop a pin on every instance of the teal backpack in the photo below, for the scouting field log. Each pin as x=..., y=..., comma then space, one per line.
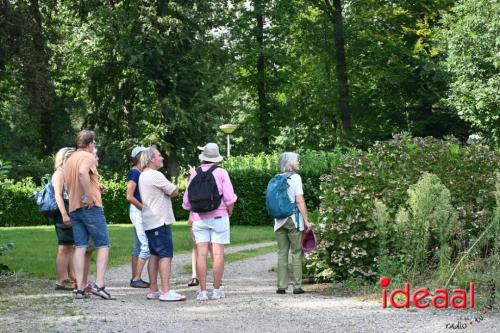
x=278, y=203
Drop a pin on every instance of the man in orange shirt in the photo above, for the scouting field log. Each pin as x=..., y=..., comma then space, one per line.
x=86, y=212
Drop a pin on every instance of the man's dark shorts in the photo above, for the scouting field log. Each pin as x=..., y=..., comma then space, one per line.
x=160, y=242
x=64, y=232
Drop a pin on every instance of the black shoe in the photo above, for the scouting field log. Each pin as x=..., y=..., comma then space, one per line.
x=139, y=284
x=298, y=291
x=193, y=282
x=281, y=291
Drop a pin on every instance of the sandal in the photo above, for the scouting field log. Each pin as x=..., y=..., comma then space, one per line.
x=193, y=282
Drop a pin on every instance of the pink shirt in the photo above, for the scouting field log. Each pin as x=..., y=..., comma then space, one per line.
x=225, y=189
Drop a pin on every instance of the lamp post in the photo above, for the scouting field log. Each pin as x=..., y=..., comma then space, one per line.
x=228, y=129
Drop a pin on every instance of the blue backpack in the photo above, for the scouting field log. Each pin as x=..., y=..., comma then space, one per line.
x=46, y=200
x=278, y=203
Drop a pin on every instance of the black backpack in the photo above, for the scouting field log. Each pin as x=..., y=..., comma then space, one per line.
x=203, y=194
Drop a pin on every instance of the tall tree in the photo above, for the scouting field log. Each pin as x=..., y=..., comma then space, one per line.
x=469, y=37
x=333, y=8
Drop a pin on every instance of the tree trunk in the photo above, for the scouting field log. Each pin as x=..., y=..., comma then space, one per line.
x=261, y=78
x=37, y=78
x=333, y=9
x=341, y=66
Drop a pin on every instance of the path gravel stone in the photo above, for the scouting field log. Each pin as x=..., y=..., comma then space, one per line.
x=251, y=305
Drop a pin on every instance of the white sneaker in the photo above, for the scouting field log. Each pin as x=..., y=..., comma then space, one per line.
x=218, y=294
x=172, y=296
x=202, y=296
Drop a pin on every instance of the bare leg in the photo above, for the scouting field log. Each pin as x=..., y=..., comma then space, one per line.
x=165, y=273
x=138, y=270
x=201, y=264
x=63, y=260
x=218, y=263
x=193, y=261
x=101, y=263
x=134, y=267
x=153, y=272
x=86, y=267
x=79, y=265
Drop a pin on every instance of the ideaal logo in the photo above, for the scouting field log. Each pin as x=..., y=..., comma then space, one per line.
x=440, y=299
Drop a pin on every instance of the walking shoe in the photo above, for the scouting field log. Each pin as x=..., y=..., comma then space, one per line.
x=64, y=285
x=193, y=282
x=281, y=291
x=139, y=283
x=99, y=291
x=202, y=295
x=172, y=296
x=80, y=294
x=153, y=294
x=218, y=293
x=298, y=291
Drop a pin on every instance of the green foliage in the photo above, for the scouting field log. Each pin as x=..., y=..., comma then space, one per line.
x=19, y=208
x=348, y=230
x=426, y=225
x=250, y=175
x=469, y=36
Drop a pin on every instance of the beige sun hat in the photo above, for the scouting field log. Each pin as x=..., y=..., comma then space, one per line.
x=210, y=153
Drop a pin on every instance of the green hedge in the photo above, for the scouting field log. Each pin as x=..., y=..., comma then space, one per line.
x=18, y=208
x=346, y=227
x=249, y=175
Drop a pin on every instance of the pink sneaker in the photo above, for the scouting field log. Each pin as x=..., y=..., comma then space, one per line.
x=153, y=294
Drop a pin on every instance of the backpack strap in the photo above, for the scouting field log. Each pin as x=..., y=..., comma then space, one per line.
x=210, y=170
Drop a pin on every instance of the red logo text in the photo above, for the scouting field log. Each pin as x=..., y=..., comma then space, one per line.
x=440, y=299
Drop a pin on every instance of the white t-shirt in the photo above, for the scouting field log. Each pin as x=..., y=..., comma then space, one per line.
x=155, y=192
x=294, y=189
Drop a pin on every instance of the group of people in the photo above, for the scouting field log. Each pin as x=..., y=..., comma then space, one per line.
x=81, y=224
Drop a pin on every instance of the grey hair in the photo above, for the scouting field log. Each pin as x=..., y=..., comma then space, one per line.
x=147, y=155
x=286, y=160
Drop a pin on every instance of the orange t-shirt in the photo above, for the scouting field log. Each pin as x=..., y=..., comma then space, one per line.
x=72, y=179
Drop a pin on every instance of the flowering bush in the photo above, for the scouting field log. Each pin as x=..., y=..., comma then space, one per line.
x=347, y=229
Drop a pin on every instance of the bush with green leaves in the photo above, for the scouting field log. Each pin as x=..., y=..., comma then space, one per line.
x=250, y=175
x=347, y=228
x=19, y=209
x=425, y=224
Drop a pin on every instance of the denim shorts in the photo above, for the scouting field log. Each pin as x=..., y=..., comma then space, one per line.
x=213, y=230
x=141, y=246
x=90, y=221
x=160, y=242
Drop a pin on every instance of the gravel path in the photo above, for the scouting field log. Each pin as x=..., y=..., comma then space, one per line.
x=251, y=305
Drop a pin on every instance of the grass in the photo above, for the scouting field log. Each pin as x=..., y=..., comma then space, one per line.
x=241, y=255
x=36, y=247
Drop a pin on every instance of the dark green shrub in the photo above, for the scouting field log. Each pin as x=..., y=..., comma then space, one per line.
x=250, y=175
x=347, y=229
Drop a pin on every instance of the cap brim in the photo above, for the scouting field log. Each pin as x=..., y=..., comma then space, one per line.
x=210, y=159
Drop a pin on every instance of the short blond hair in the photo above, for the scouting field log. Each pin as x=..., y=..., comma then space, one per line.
x=61, y=157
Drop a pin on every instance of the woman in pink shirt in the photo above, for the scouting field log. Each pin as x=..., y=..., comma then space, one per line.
x=212, y=223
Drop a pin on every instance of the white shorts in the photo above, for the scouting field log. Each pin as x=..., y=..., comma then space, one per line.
x=213, y=230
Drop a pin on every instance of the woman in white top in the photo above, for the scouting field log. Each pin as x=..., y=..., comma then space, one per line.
x=289, y=230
